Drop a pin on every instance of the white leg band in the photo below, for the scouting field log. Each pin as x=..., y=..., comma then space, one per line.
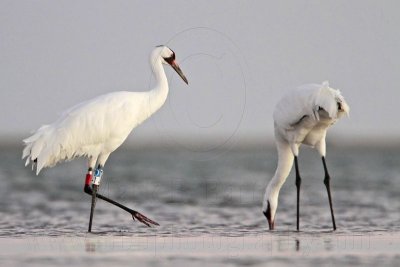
x=98, y=173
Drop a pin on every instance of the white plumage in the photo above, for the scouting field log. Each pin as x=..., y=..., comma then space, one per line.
x=302, y=116
x=97, y=127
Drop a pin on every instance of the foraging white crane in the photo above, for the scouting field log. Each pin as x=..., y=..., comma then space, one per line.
x=95, y=128
x=303, y=116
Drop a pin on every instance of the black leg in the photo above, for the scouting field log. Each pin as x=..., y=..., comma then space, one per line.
x=88, y=181
x=135, y=214
x=328, y=188
x=95, y=187
x=298, y=183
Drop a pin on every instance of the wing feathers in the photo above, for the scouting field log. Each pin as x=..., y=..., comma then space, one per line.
x=307, y=100
x=97, y=126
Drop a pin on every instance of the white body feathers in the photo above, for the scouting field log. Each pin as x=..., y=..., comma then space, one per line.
x=303, y=116
x=97, y=127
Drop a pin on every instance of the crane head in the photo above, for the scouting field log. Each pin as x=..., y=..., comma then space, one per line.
x=168, y=57
x=268, y=214
x=270, y=204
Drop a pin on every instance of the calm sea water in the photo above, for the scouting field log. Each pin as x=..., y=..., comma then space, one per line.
x=208, y=205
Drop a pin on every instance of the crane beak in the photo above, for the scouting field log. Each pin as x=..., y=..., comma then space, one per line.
x=178, y=70
x=267, y=214
x=271, y=223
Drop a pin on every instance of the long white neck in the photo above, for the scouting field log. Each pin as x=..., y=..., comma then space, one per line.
x=158, y=94
x=285, y=163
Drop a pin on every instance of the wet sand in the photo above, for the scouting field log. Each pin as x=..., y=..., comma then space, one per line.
x=278, y=248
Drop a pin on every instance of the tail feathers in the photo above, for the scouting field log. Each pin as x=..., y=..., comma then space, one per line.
x=33, y=146
x=46, y=148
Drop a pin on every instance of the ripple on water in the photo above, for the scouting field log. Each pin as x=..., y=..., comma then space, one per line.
x=215, y=199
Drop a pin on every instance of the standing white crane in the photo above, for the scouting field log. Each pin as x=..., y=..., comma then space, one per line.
x=303, y=116
x=95, y=128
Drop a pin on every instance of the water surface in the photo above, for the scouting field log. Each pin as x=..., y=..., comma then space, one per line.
x=209, y=208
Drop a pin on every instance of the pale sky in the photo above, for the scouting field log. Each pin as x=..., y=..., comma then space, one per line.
x=240, y=57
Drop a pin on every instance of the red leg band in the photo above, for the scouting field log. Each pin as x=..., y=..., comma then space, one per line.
x=88, y=179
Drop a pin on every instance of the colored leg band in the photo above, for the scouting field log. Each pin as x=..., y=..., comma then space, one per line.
x=88, y=179
x=97, y=176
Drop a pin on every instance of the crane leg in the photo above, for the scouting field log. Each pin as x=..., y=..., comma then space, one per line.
x=298, y=183
x=95, y=187
x=93, y=192
x=88, y=181
x=328, y=189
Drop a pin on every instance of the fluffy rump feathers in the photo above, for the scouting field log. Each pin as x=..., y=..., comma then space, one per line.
x=306, y=101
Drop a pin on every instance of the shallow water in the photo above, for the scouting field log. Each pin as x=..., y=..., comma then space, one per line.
x=208, y=205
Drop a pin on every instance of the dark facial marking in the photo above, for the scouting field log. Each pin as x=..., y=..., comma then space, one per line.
x=170, y=59
x=267, y=213
x=339, y=106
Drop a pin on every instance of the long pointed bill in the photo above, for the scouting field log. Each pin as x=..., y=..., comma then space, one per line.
x=267, y=214
x=271, y=224
x=178, y=70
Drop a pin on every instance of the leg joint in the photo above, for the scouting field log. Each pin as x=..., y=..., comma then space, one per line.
x=327, y=180
x=298, y=181
x=87, y=189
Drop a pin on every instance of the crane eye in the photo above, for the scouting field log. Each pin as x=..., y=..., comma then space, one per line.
x=170, y=59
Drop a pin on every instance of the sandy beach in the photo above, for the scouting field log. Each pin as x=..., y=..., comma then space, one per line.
x=278, y=248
